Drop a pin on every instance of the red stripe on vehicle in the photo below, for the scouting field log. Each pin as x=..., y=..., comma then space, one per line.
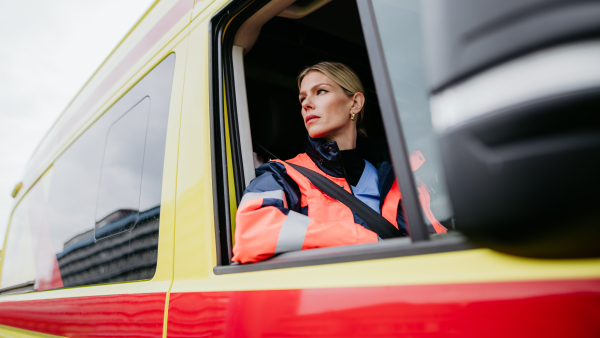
x=132, y=315
x=520, y=309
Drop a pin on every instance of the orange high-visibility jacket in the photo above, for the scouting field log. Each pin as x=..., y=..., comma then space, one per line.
x=282, y=211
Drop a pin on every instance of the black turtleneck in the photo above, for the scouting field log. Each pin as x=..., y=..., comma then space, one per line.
x=354, y=165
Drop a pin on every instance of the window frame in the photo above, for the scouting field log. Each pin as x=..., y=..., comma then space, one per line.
x=396, y=142
x=222, y=96
x=220, y=60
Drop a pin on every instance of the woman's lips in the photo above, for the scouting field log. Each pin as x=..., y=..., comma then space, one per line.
x=310, y=118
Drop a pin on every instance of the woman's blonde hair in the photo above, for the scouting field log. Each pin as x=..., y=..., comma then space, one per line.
x=345, y=77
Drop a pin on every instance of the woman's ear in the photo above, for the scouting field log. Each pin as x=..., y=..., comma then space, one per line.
x=358, y=101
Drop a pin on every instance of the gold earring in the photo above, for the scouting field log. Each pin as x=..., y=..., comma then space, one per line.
x=353, y=116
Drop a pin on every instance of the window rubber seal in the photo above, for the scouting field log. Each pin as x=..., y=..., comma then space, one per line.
x=222, y=28
x=391, y=248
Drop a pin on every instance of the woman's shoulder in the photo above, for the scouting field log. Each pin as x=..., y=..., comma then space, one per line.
x=274, y=175
x=278, y=166
x=270, y=167
x=282, y=170
x=301, y=159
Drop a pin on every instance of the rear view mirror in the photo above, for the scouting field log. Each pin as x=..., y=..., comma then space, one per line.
x=515, y=100
x=521, y=148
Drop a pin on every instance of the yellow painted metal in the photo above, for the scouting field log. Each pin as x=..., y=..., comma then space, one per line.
x=194, y=236
x=11, y=332
x=200, y=7
x=26, y=268
x=54, y=142
x=19, y=265
x=15, y=191
x=195, y=251
x=169, y=187
x=174, y=41
x=195, y=246
x=469, y=266
x=187, y=247
x=230, y=178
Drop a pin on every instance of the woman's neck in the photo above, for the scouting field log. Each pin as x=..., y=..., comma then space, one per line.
x=345, y=141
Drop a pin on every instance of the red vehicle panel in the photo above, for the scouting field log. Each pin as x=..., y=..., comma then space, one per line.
x=522, y=309
x=134, y=315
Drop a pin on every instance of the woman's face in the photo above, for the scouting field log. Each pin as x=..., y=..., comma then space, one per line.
x=325, y=107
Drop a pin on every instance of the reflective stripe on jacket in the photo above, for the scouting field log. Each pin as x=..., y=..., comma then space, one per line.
x=282, y=210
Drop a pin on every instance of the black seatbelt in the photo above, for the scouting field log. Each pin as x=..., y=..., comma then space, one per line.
x=381, y=226
x=374, y=220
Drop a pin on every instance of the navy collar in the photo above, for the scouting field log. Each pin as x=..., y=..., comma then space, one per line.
x=326, y=155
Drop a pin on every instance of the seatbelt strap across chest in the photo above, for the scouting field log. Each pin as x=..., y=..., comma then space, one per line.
x=381, y=226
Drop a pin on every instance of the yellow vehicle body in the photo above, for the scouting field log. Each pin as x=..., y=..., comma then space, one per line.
x=187, y=250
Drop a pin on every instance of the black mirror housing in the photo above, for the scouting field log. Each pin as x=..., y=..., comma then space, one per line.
x=526, y=180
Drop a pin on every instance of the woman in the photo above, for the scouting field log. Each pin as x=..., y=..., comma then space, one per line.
x=282, y=211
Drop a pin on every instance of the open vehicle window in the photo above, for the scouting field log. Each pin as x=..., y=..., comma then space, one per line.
x=263, y=114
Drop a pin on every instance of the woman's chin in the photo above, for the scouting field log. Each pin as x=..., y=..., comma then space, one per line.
x=316, y=133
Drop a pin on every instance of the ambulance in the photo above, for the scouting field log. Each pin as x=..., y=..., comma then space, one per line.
x=123, y=222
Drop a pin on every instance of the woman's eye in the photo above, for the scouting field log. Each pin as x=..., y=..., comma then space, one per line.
x=321, y=91
x=302, y=99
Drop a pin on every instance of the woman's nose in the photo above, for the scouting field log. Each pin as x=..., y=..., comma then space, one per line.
x=307, y=104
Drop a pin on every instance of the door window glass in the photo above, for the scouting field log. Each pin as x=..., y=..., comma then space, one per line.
x=18, y=265
x=121, y=178
x=76, y=220
x=399, y=26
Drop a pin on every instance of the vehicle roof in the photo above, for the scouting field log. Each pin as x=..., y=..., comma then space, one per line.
x=107, y=83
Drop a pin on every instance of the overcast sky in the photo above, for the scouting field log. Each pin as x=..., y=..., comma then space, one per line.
x=48, y=50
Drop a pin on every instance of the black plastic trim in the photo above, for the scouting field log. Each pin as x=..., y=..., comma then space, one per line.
x=542, y=154
x=248, y=9
x=467, y=37
x=18, y=288
x=220, y=60
x=415, y=223
x=218, y=162
x=398, y=247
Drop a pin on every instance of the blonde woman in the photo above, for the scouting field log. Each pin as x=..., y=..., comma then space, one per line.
x=282, y=211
